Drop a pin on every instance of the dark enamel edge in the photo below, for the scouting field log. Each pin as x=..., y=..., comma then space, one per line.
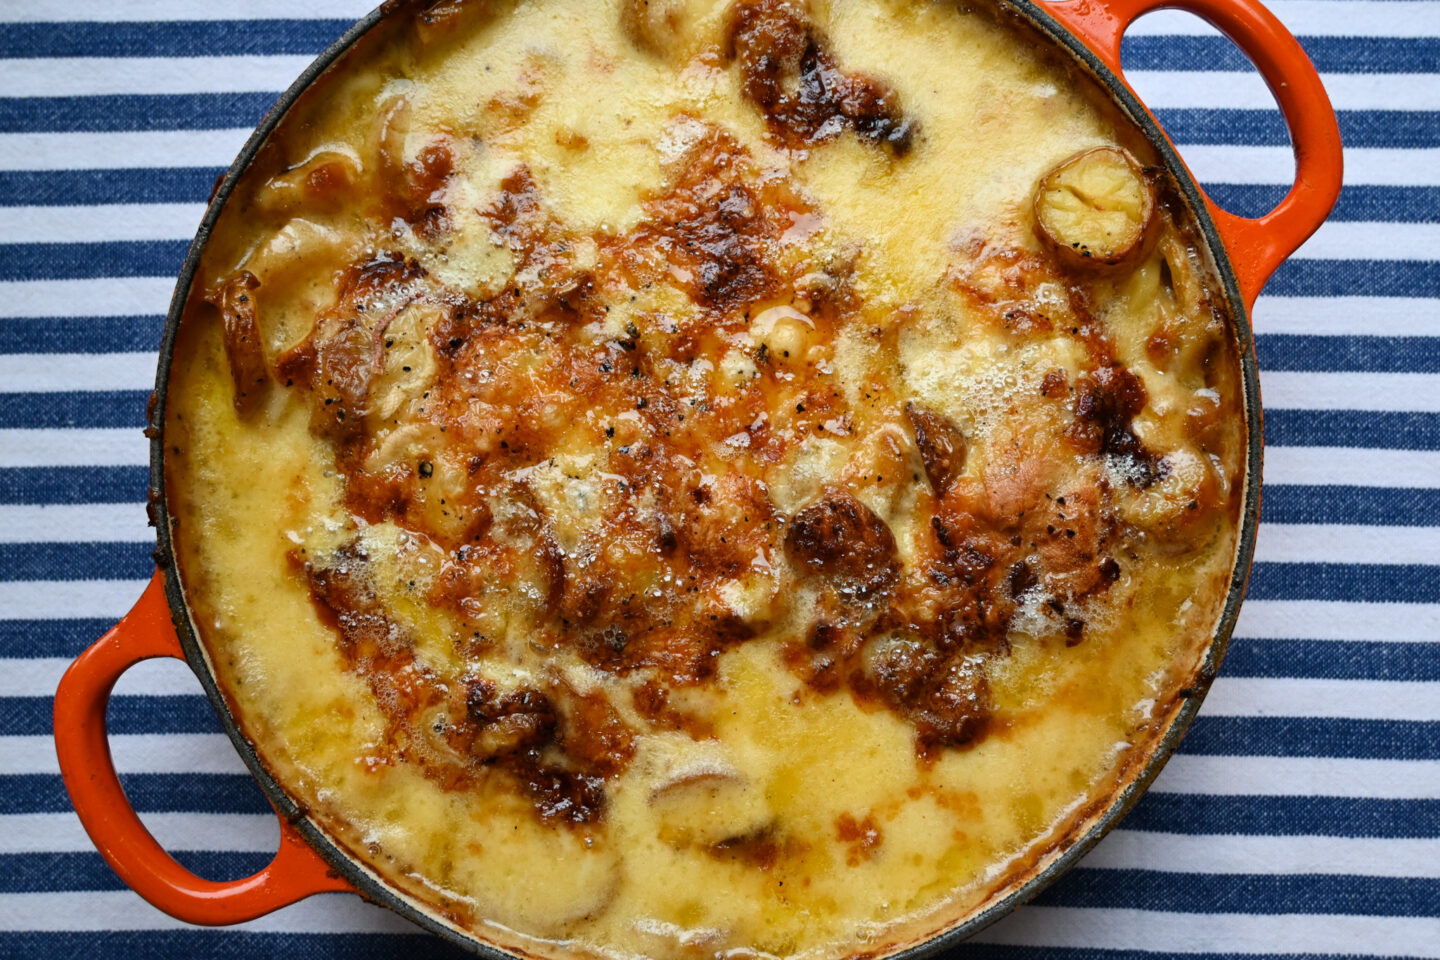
x=366, y=883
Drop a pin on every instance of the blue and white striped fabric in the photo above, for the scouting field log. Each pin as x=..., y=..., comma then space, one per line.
x=1302, y=814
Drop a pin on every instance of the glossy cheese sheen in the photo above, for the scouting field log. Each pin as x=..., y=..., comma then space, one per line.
x=670, y=523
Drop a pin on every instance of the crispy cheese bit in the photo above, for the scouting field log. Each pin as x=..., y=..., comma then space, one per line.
x=1096, y=209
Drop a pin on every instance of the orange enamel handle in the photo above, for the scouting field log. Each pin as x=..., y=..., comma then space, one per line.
x=145, y=632
x=1256, y=247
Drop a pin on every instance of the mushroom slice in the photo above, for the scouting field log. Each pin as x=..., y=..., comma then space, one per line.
x=1096, y=209
x=706, y=807
x=941, y=444
x=236, y=301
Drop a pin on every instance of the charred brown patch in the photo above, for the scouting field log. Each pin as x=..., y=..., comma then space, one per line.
x=1107, y=399
x=235, y=300
x=718, y=228
x=863, y=837
x=843, y=541
x=794, y=79
x=946, y=696
x=560, y=757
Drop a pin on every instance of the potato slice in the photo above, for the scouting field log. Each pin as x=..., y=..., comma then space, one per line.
x=1096, y=209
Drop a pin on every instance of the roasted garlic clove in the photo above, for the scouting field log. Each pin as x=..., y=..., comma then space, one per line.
x=1096, y=209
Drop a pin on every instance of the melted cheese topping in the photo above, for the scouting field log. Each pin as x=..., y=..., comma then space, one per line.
x=646, y=490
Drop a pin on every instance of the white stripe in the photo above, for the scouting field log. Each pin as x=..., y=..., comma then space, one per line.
x=131, y=753
x=123, y=910
x=1236, y=90
x=1382, y=166
x=48, y=372
x=1338, y=620
x=68, y=599
x=107, y=447
x=62, y=832
x=1346, y=543
x=1235, y=854
x=1352, y=466
x=102, y=297
x=1170, y=934
x=39, y=676
x=101, y=76
x=141, y=10
x=75, y=523
x=121, y=149
x=101, y=223
x=1308, y=697
x=1358, y=240
x=1297, y=390
x=1349, y=316
x=1300, y=777
x=1317, y=18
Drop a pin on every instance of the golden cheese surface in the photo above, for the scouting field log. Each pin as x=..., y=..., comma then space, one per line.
x=703, y=477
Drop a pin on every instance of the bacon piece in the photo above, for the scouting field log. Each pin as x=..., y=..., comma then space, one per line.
x=243, y=347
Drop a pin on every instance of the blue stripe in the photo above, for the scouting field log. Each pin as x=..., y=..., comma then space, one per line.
x=1358, y=128
x=82, y=261
x=1368, y=506
x=76, y=561
x=134, y=112
x=1356, y=278
x=58, y=872
x=197, y=944
x=1312, y=737
x=1291, y=351
x=1356, y=582
x=1333, y=660
x=1330, y=54
x=85, y=187
x=90, y=408
x=147, y=792
x=1357, y=202
x=180, y=713
x=50, y=638
x=1284, y=816
x=1244, y=893
x=81, y=334
x=176, y=38
x=1352, y=428
x=74, y=484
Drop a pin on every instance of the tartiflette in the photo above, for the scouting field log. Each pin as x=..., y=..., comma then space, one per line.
x=703, y=477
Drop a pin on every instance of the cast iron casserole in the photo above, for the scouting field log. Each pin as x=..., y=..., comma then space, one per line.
x=1244, y=252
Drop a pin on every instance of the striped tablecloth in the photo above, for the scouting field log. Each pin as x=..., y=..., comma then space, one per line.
x=1302, y=814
